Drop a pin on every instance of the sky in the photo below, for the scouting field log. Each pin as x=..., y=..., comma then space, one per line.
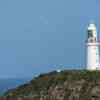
x=38, y=36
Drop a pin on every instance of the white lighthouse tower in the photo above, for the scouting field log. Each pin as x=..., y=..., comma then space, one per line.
x=92, y=45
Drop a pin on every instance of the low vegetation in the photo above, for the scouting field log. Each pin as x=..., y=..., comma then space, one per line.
x=64, y=85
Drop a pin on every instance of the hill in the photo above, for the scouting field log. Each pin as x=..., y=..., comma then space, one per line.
x=64, y=85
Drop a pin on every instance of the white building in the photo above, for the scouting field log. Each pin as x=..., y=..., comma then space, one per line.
x=92, y=46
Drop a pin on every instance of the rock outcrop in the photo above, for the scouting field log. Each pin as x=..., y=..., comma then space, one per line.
x=64, y=85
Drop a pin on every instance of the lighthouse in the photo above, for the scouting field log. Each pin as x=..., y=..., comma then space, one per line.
x=92, y=48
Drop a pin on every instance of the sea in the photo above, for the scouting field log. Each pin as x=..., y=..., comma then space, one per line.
x=10, y=83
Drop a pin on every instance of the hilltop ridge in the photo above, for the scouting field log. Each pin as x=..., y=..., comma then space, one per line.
x=64, y=85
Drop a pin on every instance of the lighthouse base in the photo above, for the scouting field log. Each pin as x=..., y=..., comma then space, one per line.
x=93, y=68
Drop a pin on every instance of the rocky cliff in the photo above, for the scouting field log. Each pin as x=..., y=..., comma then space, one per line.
x=64, y=85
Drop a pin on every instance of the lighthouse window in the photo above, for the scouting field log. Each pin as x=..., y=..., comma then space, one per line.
x=90, y=34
